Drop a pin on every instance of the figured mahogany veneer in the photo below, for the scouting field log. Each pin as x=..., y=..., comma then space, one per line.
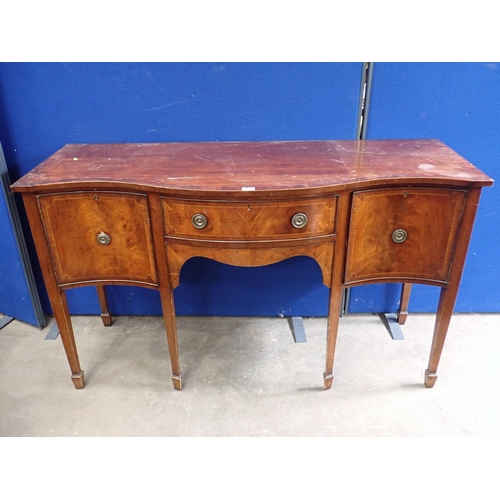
x=72, y=222
x=247, y=221
x=430, y=218
x=366, y=211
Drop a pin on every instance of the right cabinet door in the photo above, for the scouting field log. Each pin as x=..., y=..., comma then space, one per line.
x=403, y=234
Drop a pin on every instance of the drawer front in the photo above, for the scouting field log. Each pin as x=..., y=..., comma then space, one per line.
x=246, y=221
x=403, y=233
x=99, y=236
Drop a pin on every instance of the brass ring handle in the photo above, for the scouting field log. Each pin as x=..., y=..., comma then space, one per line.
x=199, y=221
x=299, y=220
x=103, y=238
x=399, y=236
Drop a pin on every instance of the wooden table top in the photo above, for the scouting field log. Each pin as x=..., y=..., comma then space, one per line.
x=252, y=166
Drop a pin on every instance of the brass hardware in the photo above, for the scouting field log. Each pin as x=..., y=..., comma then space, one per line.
x=299, y=220
x=399, y=236
x=95, y=197
x=103, y=238
x=199, y=221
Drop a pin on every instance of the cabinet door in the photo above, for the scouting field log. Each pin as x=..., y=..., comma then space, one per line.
x=399, y=234
x=95, y=236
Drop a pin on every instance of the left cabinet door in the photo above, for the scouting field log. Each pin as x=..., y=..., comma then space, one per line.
x=97, y=236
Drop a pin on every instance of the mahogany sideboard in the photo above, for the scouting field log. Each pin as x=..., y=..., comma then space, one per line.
x=366, y=211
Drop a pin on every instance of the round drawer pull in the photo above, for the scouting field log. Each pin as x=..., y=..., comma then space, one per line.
x=399, y=236
x=103, y=238
x=299, y=220
x=199, y=221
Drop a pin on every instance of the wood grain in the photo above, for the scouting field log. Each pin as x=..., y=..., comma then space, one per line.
x=249, y=220
x=72, y=222
x=430, y=218
x=274, y=169
x=448, y=295
x=178, y=254
x=57, y=297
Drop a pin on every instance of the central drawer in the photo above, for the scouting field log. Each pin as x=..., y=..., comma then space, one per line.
x=252, y=220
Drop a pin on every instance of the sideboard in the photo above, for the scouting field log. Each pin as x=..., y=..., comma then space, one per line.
x=365, y=211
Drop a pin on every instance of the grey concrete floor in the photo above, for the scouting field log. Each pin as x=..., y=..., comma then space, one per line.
x=247, y=377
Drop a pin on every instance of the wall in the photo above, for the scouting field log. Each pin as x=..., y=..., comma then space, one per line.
x=45, y=106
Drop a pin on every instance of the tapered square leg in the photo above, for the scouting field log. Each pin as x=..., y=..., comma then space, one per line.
x=443, y=317
x=333, y=326
x=403, y=304
x=167, y=302
x=106, y=317
x=63, y=320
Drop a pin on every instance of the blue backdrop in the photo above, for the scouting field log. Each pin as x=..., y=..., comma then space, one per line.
x=44, y=106
x=48, y=105
x=18, y=296
x=458, y=103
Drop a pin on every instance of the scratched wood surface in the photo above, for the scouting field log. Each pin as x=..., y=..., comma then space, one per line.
x=245, y=167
